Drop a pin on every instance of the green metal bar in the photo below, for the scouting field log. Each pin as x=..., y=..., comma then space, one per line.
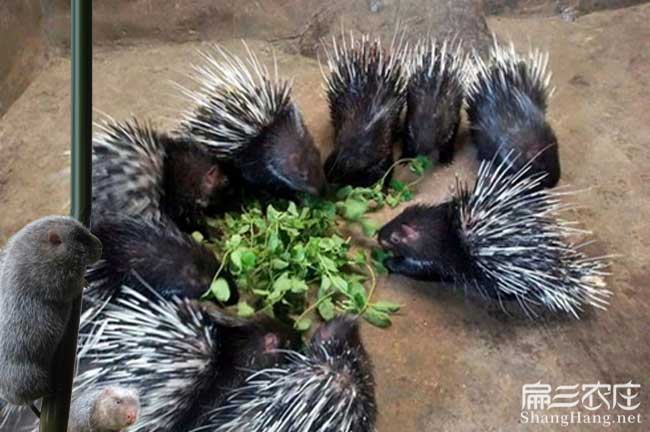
x=56, y=408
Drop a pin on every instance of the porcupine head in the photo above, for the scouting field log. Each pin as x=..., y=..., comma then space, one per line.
x=283, y=157
x=536, y=142
x=341, y=339
x=193, y=178
x=172, y=263
x=425, y=243
x=430, y=126
x=261, y=342
x=364, y=151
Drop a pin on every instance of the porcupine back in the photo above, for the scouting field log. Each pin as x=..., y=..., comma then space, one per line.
x=506, y=105
x=330, y=387
x=365, y=88
x=504, y=239
x=434, y=98
x=128, y=168
x=246, y=117
x=180, y=356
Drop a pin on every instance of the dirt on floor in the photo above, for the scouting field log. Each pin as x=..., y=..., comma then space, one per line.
x=447, y=363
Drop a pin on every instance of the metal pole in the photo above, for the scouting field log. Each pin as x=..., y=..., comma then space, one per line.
x=56, y=408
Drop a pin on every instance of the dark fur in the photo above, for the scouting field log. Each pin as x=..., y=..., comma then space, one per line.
x=510, y=120
x=280, y=159
x=433, y=105
x=236, y=348
x=335, y=366
x=170, y=262
x=427, y=244
x=138, y=171
x=341, y=338
x=424, y=243
x=244, y=349
x=365, y=111
x=193, y=181
x=283, y=160
x=41, y=273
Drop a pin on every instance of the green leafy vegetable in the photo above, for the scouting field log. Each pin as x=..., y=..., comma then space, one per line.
x=293, y=262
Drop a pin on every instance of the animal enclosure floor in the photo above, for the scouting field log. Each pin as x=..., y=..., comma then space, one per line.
x=447, y=363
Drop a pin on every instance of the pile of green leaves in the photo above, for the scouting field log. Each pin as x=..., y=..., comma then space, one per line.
x=293, y=262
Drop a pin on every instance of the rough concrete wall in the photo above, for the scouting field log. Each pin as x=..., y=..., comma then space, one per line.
x=294, y=25
x=550, y=7
x=22, y=49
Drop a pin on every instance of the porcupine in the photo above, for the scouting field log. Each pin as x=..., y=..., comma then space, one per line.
x=104, y=409
x=144, y=183
x=506, y=105
x=434, y=99
x=366, y=93
x=41, y=274
x=330, y=387
x=140, y=172
x=180, y=355
x=247, y=118
x=502, y=239
x=171, y=262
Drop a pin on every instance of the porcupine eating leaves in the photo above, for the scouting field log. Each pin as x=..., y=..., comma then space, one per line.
x=329, y=387
x=434, y=99
x=366, y=92
x=247, y=118
x=502, y=239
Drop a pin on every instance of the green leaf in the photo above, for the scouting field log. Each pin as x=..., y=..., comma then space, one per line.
x=386, y=306
x=392, y=201
x=302, y=324
x=344, y=192
x=326, y=309
x=377, y=318
x=298, y=286
x=245, y=310
x=234, y=241
x=272, y=213
x=248, y=260
x=235, y=258
x=354, y=209
x=397, y=185
x=292, y=209
x=420, y=164
x=378, y=258
x=197, y=236
x=339, y=283
x=274, y=242
x=369, y=227
x=220, y=290
x=406, y=195
x=359, y=257
x=282, y=284
x=279, y=264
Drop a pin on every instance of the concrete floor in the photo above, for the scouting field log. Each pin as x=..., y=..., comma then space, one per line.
x=447, y=363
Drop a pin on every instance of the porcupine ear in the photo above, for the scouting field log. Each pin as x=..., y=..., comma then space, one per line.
x=339, y=329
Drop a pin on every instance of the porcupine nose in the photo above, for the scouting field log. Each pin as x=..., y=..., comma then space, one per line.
x=130, y=418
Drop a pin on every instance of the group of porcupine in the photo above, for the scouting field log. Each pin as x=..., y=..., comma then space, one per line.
x=198, y=369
